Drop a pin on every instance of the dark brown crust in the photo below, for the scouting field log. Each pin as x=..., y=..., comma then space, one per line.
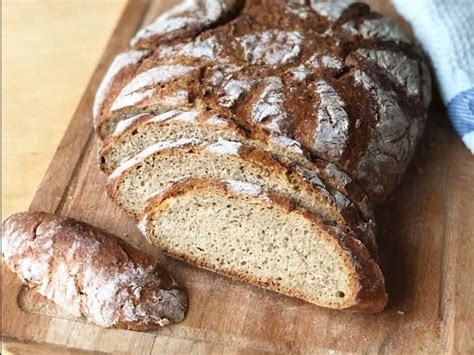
x=106, y=122
x=258, y=16
x=232, y=9
x=68, y=243
x=347, y=218
x=367, y=279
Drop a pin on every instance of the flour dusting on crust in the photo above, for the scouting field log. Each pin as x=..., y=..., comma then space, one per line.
x=233, y=90
x=377, y=28
x=392, y=140
x=325, y=61
x=155, y=148
x=133, y=92
x=298, y=8
x=272, y=47
x=124, y=124
x=164, y=116
x=332, y=128
x=300, y=72
x=187, y=116
x=221, y=73
x=287, y=143
x=178, y=115
x=340, y=200
x=177, y=99
x=268, y=110
x=185, y=19
x=331, y=9
x=203, y=49
x=310, y=175
x=224, y=147
x=141, y=225
x=401, y=69
x=132, y=99
x=244, y=187
x=341, y=177
x=120, y=62
x=171, y=20
x=216, y=120
x=315, y=180
x=329, y=61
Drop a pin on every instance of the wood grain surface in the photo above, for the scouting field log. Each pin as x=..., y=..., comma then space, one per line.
x=425, y=235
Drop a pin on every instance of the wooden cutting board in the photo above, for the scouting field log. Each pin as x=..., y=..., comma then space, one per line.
x=425, y=234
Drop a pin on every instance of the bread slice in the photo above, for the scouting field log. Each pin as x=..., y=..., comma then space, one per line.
x=150, y=172
x=135, y=134
x=241, y=230
x=141, y=131
x=120, y=70
x=141, y=89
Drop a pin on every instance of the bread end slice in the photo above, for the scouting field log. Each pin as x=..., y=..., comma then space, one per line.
x=242, y=231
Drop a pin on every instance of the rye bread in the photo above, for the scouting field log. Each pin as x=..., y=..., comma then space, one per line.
x=262, y=238
x=151, y=171
x=139, y=132
x=341, y=80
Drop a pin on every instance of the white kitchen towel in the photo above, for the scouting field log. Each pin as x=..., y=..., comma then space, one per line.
x=445, y=30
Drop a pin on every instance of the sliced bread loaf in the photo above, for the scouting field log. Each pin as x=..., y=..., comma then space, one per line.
x=343, y=83
x=139, y=132
x=242, y=231
x=150, y=172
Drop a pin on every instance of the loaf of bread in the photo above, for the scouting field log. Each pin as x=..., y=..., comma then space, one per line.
x=320, y=104
x=154, y=169
x=241, y=230
x=90, y=273
x=339, y=79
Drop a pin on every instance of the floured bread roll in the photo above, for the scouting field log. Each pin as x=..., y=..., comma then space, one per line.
x=90, y=273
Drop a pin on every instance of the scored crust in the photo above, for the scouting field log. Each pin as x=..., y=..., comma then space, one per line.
x=185, y=20
x=327, y=89
x=366, y=278
x=336, y=77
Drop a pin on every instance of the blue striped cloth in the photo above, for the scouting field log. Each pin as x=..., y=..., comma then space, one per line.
x=445, y=29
